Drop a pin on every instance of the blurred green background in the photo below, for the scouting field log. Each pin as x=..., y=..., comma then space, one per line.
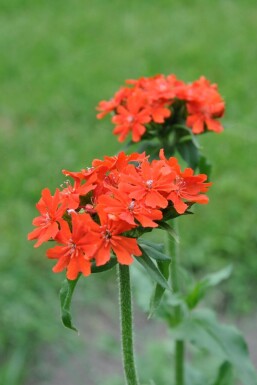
x=58, y=59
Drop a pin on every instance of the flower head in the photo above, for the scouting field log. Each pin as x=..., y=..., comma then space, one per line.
x=96, y=218
x=148, y=101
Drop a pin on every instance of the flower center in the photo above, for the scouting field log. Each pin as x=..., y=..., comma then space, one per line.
x=162, y=87
x=89, y=208
x=131, y=206
x=107, y=235
x=149, y=183
x=47, y=218
x=72, y=247
x=130, y=118
x=180, y=183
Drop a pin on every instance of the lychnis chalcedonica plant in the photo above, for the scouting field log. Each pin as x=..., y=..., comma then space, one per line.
x=100, y=216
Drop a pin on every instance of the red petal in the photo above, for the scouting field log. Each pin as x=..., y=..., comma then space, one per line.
x=179, y=205
x=155, y=199
x=103, y=255
x=73, y=269
x=85, y=266
x=47, y=233
x=61, y=264
x=123, y=256
x=56, y=252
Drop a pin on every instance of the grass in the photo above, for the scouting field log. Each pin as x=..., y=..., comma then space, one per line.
x=58, y=59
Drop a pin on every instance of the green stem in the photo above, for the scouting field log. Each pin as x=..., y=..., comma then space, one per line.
x=126, y=325
x=174, y=252
x=179, y=344
x=179, y=362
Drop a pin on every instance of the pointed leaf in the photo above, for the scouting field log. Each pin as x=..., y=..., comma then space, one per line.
x=215, y=278
x=201, y=287
x=204, y=166
x=66, y=293
x=165, y=226
x=157, y=246
x=152, y=269
x=164, y=267
x=151, y=147
x=187, y=135
x=171, y=213
x=225, y=375
x=109, y=265
x=188, y=138
x=153, y=251
x=189, y=153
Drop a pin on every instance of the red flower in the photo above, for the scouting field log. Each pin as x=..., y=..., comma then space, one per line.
x=120, y=206
x=108, y=171
x=132, y=117
x=158, y=94
x=84, y=174
x=178, y=86
x=107, y=106
x=108, y=237
x=151, y=182
x=204, y=106
x=77, y=248
x=102, y=174
x=199, y=121
x=186, y=186
x=71, y=194
x=51, y=210
x=159, y=112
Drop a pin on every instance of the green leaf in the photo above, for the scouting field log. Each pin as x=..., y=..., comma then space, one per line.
x=168, y=307
x=204, y=166
x=186, y=135
x=215, y=278
x=170, y=213
x=165, y=226
x=109, y=265
x=223, y=341
x=66, y=293
x=153, y=250
x=164, y=267
x=194, y=376
x=152, y=269
x=225, y=375
x=157, y=246
x=201, y=287
x=151, y=147
x=189, y=153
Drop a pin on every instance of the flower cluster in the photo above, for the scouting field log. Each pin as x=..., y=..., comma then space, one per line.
x=93, y=217
x=150, y=101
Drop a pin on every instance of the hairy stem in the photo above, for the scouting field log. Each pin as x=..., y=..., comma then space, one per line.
x=126, y=320
x=174, y=274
